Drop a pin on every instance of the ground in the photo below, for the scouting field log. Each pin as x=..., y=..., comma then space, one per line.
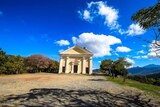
x=46, y=89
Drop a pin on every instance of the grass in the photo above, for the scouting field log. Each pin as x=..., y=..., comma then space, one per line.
x=147, y=88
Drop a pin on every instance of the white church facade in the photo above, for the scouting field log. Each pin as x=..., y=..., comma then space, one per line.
x=76, y=60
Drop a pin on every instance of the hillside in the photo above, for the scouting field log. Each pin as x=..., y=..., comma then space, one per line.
x=156, y=75
x=146, y=70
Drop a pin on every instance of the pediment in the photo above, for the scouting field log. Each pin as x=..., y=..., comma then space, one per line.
x=76, y=50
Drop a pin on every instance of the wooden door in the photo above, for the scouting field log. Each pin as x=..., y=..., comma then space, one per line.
x=75, y=68
x=63, y=69
x=87, y=70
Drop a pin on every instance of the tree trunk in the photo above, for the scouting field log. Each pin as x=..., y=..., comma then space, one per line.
x=17, y=72
x=113, y=75
x=124, y=78
x=109, y=72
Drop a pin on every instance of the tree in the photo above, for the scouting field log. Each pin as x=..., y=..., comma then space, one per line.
x=14, y=64
x=121, y=66
x=53, y=66
x=37, y=63
x=3, y=59
x=150, y=18
x=107, y=65
x=11, y=64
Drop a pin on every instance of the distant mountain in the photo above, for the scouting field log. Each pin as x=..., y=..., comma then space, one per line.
x=152, y=66
x=146, y=70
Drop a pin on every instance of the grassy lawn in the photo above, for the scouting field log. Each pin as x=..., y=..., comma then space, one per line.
x=147, y=88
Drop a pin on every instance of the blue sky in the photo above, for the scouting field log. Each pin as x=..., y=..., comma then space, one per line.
x=49, y=26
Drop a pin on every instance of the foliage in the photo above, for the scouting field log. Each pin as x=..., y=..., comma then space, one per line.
x=148, y=17
x=14, y=65
x=3, y=59
x=145, y=79
x=118, y=67
x=40, y=63
x=107, y=65
x=155, y=76
x=37, y=63
x=11, y=64
x=147, y=88
x=53, y=66
x=121, y=66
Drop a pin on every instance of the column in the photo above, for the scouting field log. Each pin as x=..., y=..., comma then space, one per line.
x=60, y=65
x=78, y=72
x=84, y=66
x=72, y=68
x=66, y=67
x=90, y=65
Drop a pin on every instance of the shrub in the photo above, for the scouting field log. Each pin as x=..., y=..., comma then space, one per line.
x=145, y=79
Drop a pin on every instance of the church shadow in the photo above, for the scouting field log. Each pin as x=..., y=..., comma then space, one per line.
x=73, y=98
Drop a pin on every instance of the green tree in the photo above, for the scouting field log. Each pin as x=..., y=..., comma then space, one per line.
x=121, y=66
x=107, y=65
x=148, y=17
x=53, y=66
x=3, y=59
x=11, y=64
x=14, y=64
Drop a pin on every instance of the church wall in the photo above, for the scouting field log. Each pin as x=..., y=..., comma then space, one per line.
x=71, y=59
x=77, y=61
x=75, y=56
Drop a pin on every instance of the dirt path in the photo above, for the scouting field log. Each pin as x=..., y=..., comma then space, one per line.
x=68, y=90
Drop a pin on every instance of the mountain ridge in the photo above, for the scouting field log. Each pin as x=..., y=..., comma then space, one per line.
x=145, y=70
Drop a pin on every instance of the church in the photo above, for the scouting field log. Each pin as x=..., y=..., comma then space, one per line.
x=76, y=60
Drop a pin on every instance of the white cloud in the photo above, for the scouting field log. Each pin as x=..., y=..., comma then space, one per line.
x=122, y=31
x=140, y=52
x=116, y=54
x=62, y=42
x=99, y=61
x=98, y=44
x=154, y=49
x=101, y=9
x=140, y=57
x=135, y=29
x=110, y=14
x=130, y=60
x=145, y=56
x=110, y=17
x=137, y=57
x=123, y=49
x=86, y=15
x=152, y=54
x=61, y=50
